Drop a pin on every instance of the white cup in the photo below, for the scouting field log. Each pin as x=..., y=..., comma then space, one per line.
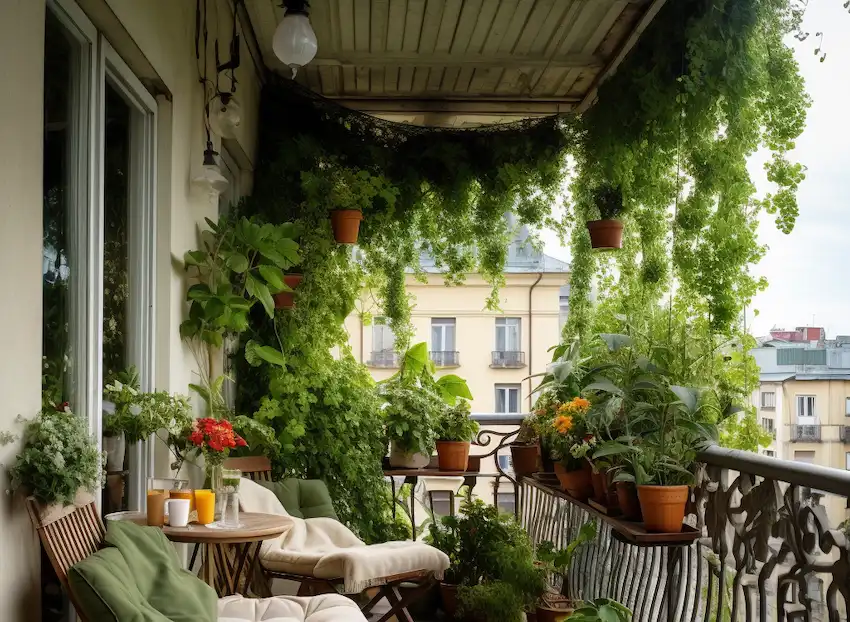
x=178, y=512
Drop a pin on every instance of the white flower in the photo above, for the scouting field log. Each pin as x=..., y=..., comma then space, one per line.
x=135, y=409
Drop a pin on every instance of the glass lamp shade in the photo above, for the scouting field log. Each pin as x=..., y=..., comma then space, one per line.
x=225, y=115
x=211, y=181
x=294, y=41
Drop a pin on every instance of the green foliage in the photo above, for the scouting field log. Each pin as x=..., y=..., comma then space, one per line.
x=242, y=262
x=601, y=610
x=140, y=415
x=744, y=432
x=58, y=458
x=411, y=415
x=560, y=560
x=608, y=200
x=455, y=424
x=492, y=559
x=706, y=86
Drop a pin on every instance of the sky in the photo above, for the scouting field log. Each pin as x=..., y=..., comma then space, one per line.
x=806, y=268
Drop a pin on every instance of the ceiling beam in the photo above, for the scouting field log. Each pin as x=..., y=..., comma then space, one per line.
x=475, y=106
x=470, y=61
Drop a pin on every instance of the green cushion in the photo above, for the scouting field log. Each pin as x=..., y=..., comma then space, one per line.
x=138, y=578
x=303, y=498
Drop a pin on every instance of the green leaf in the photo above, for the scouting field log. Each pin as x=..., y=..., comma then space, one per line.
x=189, y=328
x=274, y=278
x=259, y=290
x=237, y=262
x=451, y=387
x=608, y=614
x=251, y=355
x=270, y=355
x=196, y=312
x=613, y=448
x=194, y=258
x=615, y=342
x=212, y=337
x=689, y=397
x=202, y=391
x=213, y=309
x=199, y=291
x=604, y=385
x=239, y=321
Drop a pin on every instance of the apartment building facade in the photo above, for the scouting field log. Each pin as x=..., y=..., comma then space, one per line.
x=494, y=350
x=804, y=401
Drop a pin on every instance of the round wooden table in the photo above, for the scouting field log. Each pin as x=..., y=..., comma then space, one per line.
x=230, y=555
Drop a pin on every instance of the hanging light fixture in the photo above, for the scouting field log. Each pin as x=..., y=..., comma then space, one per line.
x=210, y=179
x=294, y=41
x=225, y=115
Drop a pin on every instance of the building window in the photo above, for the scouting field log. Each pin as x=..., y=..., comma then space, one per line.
x=508, y=334
x=807, y=457
x=767, y=424
x=847, y=406
x=847, y=460
x=505, y=463
x=769, y=453
x=507, y=502
x=507, y=398
x=563, y=307
x=768, y=399
x=383, y=344
x=443, y=330
x=805, y=406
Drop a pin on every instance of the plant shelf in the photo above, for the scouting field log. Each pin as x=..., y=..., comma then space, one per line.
x=630, y=532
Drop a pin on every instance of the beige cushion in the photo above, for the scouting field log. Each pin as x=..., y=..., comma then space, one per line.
x=325, y=608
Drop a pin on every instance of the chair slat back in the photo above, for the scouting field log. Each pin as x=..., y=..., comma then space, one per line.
x=69, y=534
x=252, y=467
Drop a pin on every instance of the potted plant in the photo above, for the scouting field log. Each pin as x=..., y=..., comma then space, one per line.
x=124, y=384
x=607, y=231
x=571, y=445
x=492, y=576
x=409, y=418
x=601, y=610
x=555, y=606
x=285, y=299
x=455, y=432
x=58, y=458
x=525, y=450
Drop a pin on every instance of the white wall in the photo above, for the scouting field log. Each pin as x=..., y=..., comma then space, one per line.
x=21, y=135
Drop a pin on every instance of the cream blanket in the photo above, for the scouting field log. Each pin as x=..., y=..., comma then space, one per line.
x=326, y=549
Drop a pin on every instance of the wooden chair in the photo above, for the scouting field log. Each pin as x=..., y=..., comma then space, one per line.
x=252, y=467
x=69, y=534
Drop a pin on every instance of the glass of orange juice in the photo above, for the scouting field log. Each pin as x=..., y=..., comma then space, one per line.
x=156, y=507
x=205, y=504
x=184, y=493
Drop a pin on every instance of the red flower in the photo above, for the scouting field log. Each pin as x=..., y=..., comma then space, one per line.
x=240, y=442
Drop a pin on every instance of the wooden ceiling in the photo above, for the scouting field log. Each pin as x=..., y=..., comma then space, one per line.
x=461, y=62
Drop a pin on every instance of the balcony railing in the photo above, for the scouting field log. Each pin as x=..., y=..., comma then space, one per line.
x=805, y=434
x=445, y=358
x=508, y=359
x=767, y=550
x=384, y=358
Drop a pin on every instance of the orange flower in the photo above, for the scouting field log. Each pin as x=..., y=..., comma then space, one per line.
x=563, y=423
x=580, y=403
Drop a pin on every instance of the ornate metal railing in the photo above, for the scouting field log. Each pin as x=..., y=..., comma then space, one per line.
x=805, y=433
x=384, y=358
x=507, y=358
x=768, y=551
x=445, y=358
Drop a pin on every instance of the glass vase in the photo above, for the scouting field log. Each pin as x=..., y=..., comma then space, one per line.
x=215, y=476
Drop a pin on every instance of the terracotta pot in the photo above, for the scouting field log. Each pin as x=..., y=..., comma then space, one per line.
x=578, y=484
x=663, y=507
x=453, y=455
x=628, y=500
x=611, y=500
x=546, y=613
x=600, y=487
x=346, y=225
x=286, y=300
x=448, y=592
x=407, y=460
x=605, y=234
x=526, y=459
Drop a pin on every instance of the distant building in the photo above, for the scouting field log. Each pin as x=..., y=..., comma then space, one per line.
x=804, y=401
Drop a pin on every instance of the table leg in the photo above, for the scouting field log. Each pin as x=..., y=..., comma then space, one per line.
x=253, y=565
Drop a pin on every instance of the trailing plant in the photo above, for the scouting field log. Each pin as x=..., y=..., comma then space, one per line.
x=608, y=200
x=559, y=561
x=58, y=458
x=455, y=424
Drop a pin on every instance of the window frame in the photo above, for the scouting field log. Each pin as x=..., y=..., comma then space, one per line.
x=801, y=399
x=505, y=323
x=380, y=320
x=507, y=388
x=442, y=324
x=772, y=400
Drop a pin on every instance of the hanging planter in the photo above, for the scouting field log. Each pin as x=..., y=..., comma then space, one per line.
x=346, y=225
x=607, y=232
x=286, y=300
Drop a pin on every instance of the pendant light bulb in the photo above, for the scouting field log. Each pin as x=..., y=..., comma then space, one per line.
x=294, y=41
x=225, y=115
x=210, y=180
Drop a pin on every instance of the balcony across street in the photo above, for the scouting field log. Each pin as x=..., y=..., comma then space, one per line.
x=507, y=359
